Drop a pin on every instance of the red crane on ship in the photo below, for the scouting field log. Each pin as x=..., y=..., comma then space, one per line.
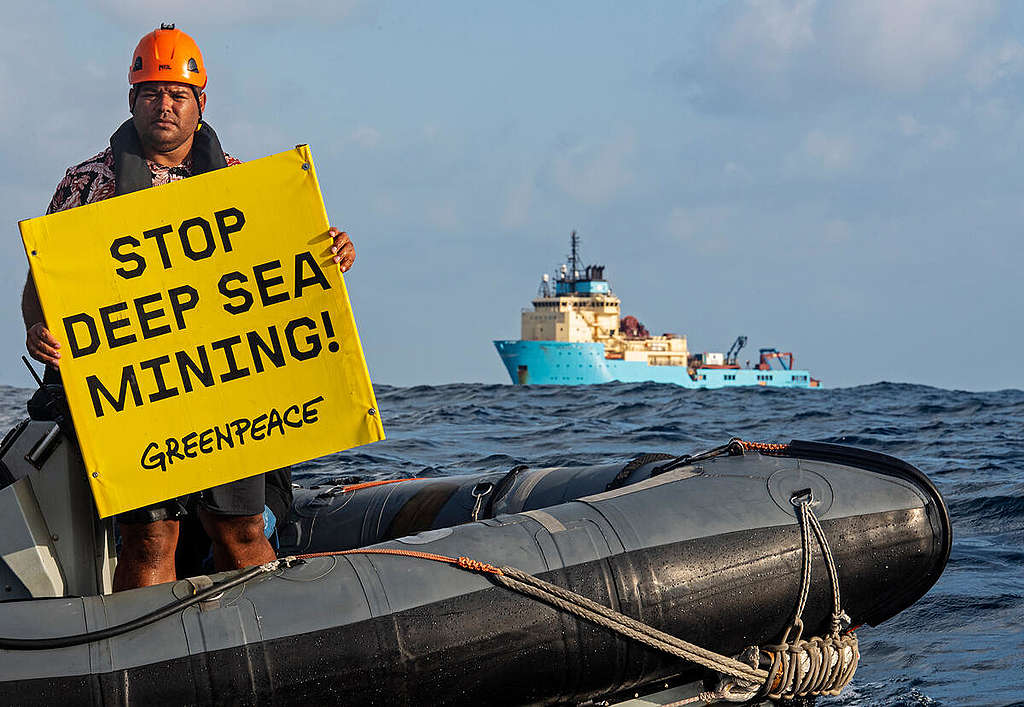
x=768, y=355
x=632, y=328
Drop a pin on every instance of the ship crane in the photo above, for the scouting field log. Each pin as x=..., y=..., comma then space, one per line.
x=767, y=355
x=733, y=354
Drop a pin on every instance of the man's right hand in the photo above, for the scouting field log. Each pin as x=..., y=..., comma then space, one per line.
x=42, y=346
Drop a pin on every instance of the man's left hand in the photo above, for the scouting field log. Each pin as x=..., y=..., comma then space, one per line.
x=344, y=251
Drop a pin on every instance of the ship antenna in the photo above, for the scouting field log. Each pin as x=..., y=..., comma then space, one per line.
x=574, y=258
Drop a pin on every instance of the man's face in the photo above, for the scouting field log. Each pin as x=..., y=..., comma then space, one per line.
x=166, y=114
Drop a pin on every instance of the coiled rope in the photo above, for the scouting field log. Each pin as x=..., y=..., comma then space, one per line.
x=820, y=665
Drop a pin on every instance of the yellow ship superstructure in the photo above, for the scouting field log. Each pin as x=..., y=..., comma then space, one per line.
x=581, y=308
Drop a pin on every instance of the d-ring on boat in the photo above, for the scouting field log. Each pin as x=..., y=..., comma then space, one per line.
x=531, y=586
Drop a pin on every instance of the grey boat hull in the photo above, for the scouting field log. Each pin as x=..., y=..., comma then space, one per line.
x=708, y=552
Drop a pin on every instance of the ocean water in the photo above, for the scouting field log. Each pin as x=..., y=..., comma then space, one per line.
x=962, y=644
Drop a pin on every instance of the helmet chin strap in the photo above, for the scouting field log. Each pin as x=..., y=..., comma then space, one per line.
x=198, y=92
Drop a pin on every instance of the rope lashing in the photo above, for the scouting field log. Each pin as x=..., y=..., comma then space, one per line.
x=349, y=488
x=762, y=447
x=334, y=491
x=465, y=563
x=642, y=460
x=820, y=665
x=706, y=697
x=733, y=447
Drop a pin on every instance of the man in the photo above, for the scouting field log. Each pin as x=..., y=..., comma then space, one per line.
x=165, y=140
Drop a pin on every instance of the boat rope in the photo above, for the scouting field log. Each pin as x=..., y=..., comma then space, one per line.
x=820, y=665
x=601, y=615
x=370, y=484
x=769, y=448
x=642, y=460
x=734, y=447
x=794, y=667
x=706, y=697
x=37, y=644
x=461, y=562
x=530, y=585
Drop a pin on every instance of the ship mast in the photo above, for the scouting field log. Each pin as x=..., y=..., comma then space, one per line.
x=574, y=258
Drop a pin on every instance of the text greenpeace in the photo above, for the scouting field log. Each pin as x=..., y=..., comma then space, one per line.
x=205, y=331
x=158, y=455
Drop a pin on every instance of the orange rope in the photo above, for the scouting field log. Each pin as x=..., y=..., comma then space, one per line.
x=371, y=484
x=764, y=447
x=465, y=563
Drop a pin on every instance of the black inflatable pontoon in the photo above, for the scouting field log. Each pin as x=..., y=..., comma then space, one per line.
x=708, y=550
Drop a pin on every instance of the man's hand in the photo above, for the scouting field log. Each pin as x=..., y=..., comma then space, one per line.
x=344, y=251
x=42, y=346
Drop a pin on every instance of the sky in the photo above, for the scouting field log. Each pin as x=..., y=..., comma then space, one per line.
x=839, y=180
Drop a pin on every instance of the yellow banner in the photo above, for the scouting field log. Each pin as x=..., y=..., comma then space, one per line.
x=206, y=334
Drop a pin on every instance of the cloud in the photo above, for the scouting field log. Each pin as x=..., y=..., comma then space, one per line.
x=905, y=44
x=735, y=172
x=594, y=174
x=782, y=51
x=443, y=215
x=680, y=224
x=518, y=201
x=937, y=137
x=228, y=12
x=832, y=153
x=365, y=137
x=997, y=64
x=247, y=139
x=767, y=34
x=836, y=231
x=908, y=125
x=704, y=229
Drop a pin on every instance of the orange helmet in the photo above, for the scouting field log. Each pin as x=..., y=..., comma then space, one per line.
x=168, y=54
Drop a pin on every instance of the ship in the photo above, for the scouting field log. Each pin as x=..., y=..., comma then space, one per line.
x=575, y=335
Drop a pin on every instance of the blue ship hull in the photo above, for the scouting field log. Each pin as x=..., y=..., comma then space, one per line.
x=565, y=363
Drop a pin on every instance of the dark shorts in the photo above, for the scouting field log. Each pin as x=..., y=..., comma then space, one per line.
x=245, y=497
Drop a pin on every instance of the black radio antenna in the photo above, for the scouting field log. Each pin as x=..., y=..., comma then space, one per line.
x=39, y=381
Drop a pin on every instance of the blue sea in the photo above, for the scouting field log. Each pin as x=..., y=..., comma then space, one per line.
x=962, y=644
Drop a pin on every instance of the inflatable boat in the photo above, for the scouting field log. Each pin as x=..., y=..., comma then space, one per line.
x=393, y=593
